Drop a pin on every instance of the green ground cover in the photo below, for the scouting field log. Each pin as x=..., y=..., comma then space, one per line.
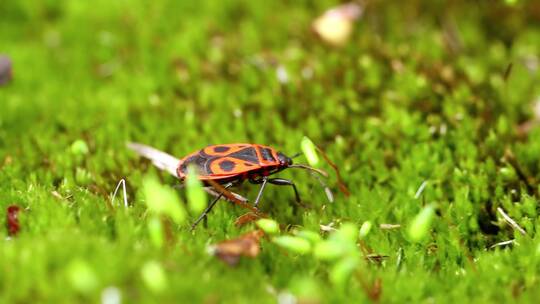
x=425, y=93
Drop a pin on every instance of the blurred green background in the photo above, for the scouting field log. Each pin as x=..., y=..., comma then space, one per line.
x=434, y=92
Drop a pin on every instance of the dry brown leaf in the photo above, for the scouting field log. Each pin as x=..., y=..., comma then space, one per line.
x=246, y=219
x=247, y=245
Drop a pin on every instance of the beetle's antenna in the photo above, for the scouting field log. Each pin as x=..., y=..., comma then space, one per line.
x=296, y=155
x=329, y=194
x=315, y=173
x=321, y=172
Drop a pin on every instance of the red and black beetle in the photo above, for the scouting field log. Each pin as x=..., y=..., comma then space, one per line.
x=229, y=165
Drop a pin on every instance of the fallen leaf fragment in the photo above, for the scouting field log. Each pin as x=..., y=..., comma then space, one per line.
x=230, y=251
x=389, y=226
x=246, y=219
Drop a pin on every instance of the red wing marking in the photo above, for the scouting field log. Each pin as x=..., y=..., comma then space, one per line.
x=224, y=150
x=266, y=155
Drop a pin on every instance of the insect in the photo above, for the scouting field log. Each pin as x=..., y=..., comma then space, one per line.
x=230, y=165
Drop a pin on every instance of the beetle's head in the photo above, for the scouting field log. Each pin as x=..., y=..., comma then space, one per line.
x=284, y=160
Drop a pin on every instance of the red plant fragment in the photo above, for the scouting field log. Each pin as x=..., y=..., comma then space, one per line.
x=342, y=187
x=5, y=70
x=12, y=219
x=375, y=291
x=247, y=245
x=246, y=219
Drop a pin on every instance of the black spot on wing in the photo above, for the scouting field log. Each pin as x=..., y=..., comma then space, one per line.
x=267, y=154
x=227, y=165
x=221, y=149
x=247, y=154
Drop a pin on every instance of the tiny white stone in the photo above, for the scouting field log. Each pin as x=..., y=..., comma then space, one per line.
x=286, y=298
x=111, y=295
x=237, y=113
x=282, y=75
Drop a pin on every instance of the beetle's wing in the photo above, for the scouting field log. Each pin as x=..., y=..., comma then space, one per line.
x=160, y=159
x=222, y=161
x=199, y=160
x=252, y=153
x=225, y=149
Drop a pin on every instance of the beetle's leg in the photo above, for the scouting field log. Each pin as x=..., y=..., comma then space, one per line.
x=206, y=211
x=263, y=181
x=286, y=182
x=210, y=206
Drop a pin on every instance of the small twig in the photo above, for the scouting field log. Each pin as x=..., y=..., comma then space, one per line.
x=504, y=243
x=327, y=228
x=511, y=159
x=375, y=257
x=341, y=184
x=420, y=189
x=228, y=194
x=507, y=71
x=214, y=193
x=510, y=221
x=122, y=183
x=57, y=195
x=400, y=258
x=389, y=226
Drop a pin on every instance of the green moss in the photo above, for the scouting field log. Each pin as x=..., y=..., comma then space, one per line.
x=427, y=93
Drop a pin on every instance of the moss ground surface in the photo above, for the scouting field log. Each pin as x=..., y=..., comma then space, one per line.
x=425, y=92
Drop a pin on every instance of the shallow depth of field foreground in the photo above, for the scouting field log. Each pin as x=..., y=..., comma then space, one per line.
x=430, y=111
